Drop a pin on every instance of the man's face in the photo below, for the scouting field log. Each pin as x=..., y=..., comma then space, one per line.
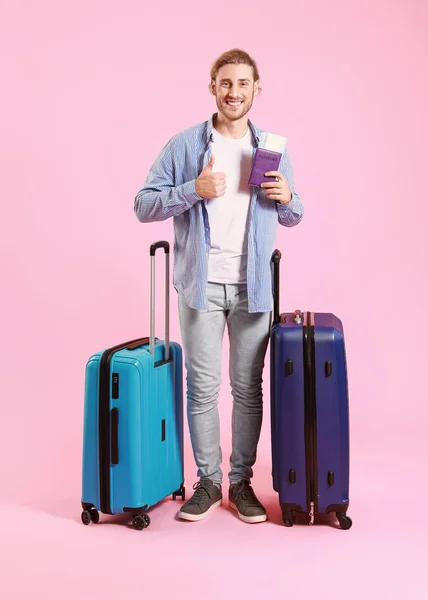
x=234, y=89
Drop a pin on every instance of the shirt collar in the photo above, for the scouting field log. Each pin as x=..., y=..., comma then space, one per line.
x=210, y=126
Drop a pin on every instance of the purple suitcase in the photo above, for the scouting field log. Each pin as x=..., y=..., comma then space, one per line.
x=309, y=412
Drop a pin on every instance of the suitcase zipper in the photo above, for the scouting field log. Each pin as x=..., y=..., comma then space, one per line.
x=310, y=416
x=312, y=514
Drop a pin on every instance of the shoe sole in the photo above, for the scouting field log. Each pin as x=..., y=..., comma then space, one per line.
x=189, y=517
x=255, y=519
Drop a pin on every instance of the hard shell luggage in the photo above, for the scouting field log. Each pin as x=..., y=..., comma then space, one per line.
x=309, y=412
x=133, y=422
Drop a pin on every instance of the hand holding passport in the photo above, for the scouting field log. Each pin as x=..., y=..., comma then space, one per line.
x=265, y=172
x=264, y=161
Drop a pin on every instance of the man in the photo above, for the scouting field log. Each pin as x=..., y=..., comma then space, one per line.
x=224, y=233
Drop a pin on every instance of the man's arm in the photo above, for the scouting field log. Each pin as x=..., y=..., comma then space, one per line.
x=160, y=198
x=289, y=214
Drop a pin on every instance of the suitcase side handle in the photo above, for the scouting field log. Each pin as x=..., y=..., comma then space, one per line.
x=114, y=455
x=153, y=248
x=276, y=258
x=138, y=343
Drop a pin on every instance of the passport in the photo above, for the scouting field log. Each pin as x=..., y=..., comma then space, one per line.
x=267, y=159
x=264, y=161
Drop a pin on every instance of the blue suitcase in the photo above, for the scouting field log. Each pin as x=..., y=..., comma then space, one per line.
x=309, y=412
x=133, y=423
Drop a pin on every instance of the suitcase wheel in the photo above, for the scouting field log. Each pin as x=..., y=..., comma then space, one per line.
x=90, y=515
x=288, y=518
x=181, y=492
x=345, y=522
x=86, y=517
x=95, y=515
x=141, y=522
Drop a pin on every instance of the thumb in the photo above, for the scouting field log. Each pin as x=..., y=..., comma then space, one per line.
x=210, y=163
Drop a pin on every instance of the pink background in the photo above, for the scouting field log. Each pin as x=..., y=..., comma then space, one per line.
x=91, y=91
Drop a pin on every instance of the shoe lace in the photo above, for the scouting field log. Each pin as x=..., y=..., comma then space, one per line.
x=201, y=492
x=244, y=491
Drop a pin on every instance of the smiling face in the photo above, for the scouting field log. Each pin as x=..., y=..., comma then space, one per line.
x=234, y=89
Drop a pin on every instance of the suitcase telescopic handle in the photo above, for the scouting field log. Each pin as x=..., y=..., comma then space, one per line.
x=153, y=248
x=276, y=257
x=157, y=245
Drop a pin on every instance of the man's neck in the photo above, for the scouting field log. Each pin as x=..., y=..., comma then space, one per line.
x=231, y=129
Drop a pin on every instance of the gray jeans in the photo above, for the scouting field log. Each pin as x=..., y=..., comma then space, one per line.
x=202, y=335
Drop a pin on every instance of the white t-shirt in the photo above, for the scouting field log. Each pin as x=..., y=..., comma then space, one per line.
x=228, y=215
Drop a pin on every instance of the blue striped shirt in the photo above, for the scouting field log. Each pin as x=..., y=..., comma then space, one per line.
x=170, y=191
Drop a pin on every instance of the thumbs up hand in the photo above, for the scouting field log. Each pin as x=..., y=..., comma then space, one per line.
x=209, y=184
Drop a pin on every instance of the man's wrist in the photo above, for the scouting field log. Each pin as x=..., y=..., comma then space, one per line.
x=287, y=201
x=189, y=190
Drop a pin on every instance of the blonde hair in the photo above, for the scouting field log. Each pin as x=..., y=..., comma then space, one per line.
x=234, y=57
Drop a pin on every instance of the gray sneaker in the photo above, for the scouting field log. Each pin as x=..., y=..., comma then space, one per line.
x=243, y=499
x=207, y=496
